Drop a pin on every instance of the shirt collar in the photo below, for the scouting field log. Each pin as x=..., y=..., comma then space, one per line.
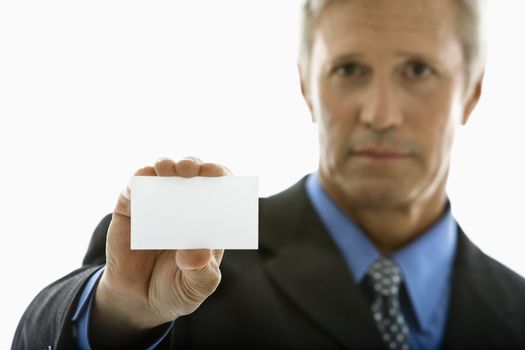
x=358, y=252
x=425, y=263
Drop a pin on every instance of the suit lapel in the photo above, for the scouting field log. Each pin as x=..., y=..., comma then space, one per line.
x=320, y=285
x=307, y=266
x=478, y=313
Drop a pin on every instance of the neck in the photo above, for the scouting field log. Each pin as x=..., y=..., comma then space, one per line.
x=392, y=228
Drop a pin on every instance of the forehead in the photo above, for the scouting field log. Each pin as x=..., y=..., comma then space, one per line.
x=427, y=27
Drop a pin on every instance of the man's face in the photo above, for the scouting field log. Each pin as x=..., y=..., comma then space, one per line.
x=386, y=88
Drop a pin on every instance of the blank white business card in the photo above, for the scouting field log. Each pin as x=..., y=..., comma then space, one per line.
x=199, y=212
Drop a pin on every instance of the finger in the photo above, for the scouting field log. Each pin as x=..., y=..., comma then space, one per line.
x=165, y=167
x=188, y=167
x=123, y=202
x=146, y=171
x=213, y=169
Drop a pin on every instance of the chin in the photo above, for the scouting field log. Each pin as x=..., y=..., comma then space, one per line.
x=374, y=193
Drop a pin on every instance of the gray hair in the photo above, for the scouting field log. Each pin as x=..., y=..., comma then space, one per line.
x=471, y=32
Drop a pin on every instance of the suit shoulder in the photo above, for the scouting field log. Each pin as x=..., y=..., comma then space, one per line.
x=497, y=281
x=507, y=277
x=285, y=201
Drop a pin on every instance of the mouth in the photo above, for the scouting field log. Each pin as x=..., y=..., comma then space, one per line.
x=379, y=154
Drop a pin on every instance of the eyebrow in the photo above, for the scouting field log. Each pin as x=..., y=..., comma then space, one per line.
x=347, y=57
x=434, y=61
x=416, y=55
x=344, y=57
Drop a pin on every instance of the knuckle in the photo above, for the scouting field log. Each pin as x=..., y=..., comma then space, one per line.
x=194, y=159
x=205, y=281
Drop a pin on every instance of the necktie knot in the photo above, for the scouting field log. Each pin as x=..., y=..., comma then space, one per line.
x=385, y=277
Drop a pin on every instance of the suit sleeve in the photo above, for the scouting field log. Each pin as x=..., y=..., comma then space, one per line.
x=46, y=323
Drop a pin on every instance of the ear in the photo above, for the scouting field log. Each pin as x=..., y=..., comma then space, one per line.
x=305, y=91
x=473, y=99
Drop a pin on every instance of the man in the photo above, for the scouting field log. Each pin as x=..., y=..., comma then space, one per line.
x=364, y=254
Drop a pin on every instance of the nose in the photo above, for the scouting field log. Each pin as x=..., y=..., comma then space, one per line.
x=381, y=109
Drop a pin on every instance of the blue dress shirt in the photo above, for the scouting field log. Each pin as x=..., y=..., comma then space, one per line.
x=426, y=265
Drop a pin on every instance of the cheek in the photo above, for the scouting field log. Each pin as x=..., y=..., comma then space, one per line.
x=335, y=121
x=435, y=124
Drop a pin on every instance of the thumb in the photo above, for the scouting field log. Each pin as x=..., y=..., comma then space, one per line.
x=193, y=259
x=200, y=272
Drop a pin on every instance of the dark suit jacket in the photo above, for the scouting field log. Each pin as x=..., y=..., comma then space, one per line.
x=296, y=292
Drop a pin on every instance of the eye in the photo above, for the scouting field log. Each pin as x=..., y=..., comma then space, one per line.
x=417, y=70
x=351, y=69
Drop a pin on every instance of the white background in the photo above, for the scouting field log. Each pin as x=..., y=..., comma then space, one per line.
x=92, y=90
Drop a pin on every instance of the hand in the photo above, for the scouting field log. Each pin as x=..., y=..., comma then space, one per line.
x=141, y=289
